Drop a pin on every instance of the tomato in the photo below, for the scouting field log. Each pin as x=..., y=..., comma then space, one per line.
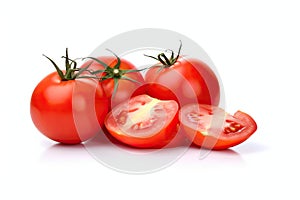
x=66, y=109
x=185, y=80
x=144, y=122
x=119, y=78
x=211, y=127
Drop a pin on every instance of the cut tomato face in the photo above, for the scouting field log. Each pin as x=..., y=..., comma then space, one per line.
x=144, y=122
x=212, y=128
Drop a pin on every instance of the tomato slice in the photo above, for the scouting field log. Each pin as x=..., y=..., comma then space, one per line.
x=211, y=127
x=144, y=122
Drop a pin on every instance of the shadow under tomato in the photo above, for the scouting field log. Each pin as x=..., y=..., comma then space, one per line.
x=213, y=158
x=63, y=153
x=104, y=141
x=250, y=147
x=121, y=157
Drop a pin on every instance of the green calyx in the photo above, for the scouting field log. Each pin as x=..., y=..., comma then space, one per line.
x=164, y=60
x=113, y=72
x=71, y=70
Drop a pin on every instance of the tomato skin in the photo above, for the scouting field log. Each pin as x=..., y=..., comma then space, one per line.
x=125, y=88
x=186, y=81
x=220, y=141
x=157, y=140
x=54, y=104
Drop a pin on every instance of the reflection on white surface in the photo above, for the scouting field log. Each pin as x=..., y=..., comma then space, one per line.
x=196, y=157
x=114, y=155
x=193, y=157
x=251, y=148
x=61, y=153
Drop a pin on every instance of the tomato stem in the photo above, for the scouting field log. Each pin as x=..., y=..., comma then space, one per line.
x=164, y=60
x=72, y=72
x=114, y=72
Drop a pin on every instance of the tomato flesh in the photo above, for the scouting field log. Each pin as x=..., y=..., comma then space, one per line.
x=144, y=122
x=211, y=127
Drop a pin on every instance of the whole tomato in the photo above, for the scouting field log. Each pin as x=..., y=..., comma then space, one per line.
x=186, y=80
x=68, y=106
x=119, y=78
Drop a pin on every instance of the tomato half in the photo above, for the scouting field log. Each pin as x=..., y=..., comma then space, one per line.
x=121, y=81
x=144, y=122
x=211, y=127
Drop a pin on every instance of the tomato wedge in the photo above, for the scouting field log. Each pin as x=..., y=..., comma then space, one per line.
x=212, y=128
x=144, y=122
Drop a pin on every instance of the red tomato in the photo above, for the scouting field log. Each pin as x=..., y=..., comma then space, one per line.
x=67, y=110
x=144, y=122
x=186, y=81
x=120, y=81
x=211, y=127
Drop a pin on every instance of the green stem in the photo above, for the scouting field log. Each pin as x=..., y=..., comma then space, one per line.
x=72, y=72
x=114, y=72
x=164, y=60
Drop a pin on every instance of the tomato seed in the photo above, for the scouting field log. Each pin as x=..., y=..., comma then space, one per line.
x=227, y=130
x=236, y=125
x=133, y=110
x=144, y=124
x=232, y=129
x=135, y=127
x=194, y=117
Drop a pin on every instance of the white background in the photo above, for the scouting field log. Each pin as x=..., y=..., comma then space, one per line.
x=255, y=46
